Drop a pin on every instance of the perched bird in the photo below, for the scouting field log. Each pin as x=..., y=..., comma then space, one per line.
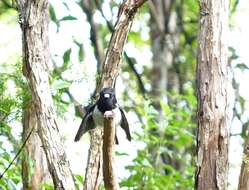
x=95, y=114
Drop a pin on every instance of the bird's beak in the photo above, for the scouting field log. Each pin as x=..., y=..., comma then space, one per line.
x=107, y=95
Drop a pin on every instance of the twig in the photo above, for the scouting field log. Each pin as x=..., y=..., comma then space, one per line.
x=19, y=151
x=139, y=79
x=87, y=7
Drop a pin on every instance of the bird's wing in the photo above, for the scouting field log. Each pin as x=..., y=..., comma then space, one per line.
x=124, y=124
x=86, y=124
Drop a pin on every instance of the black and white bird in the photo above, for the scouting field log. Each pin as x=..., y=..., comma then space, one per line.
x=94, y=116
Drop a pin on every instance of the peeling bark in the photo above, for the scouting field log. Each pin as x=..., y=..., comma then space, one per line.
x=110, y=70
x=213, y=121
x=34, y=21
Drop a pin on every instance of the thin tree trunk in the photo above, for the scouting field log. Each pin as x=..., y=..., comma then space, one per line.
x=213, y=122
x=34, y=164
x=34, y=24
x=111, y=68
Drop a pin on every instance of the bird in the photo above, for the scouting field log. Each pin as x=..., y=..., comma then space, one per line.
x=94, y=116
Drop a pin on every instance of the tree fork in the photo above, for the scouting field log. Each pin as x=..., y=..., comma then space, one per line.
x=110, y=70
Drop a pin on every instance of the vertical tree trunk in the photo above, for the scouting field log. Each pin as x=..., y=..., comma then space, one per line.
x=34, y=23
x=110, y=70
x=164, y=37
x=244, y=172
x=212, y=139
x=34, y=164
x=165, y=41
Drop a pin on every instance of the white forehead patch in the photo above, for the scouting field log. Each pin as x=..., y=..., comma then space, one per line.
x=107, y=95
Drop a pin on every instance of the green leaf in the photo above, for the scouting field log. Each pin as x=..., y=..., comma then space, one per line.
x=67, y=18
x=66, y=57
x=242, y=66
x=52, y=14
x=79, y=178
x=121, y=154
x=81, y=50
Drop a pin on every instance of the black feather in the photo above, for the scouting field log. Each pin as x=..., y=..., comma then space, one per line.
x=86, y=124
x=124, y=124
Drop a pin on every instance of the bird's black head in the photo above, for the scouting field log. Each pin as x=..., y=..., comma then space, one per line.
x=107, y=100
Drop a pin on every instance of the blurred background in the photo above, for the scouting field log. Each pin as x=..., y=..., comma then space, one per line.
x=156, y=87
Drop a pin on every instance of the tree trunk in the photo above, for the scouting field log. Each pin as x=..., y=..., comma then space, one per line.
x=34, y=23
x=110, y=70
x=164, y=37
x=213, y=121
x=165, y=46
x=34, y=164
x=244, y=172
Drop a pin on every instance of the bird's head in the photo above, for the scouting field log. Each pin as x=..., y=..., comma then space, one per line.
x=107, y=100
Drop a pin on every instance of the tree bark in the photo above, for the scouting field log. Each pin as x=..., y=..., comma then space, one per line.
x=110, y=70
x=213, y=121
x=34, y=21
x=244, y=172
x=34, y=164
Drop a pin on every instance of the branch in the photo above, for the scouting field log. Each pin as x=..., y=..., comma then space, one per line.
x=110, y=71
x=109, y=24
x=108, y=149
x=87, y=7
x=139, y=79
x=76, y=104
x=131, y=62
x=18, y=153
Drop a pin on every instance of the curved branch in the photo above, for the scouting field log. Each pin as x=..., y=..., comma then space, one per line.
x=130, y=61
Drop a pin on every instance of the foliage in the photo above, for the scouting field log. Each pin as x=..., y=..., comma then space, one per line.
x=11, y=105
x=168, y=137
x=171, y=139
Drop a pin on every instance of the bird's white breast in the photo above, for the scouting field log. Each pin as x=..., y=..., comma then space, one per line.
x=98, y=117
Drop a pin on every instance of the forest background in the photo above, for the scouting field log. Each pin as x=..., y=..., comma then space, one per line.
x=156, y=87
